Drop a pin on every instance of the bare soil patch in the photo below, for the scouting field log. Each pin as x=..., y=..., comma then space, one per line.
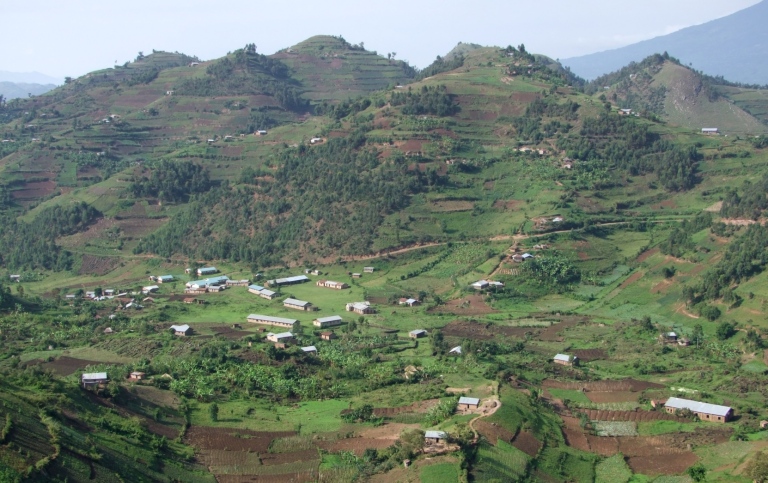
x=65, y=366
x=389, y=431
x=603, y=386
x=411, y=145
x=493, y=432
x=552, y=333
x=527, y=443
x=509, y=205
x=356, y=445
x=470, y=305
x=662, y=464
x=269, y=459
x=231, y=439
x=98, y=265
x=36, y=189
x=229, y=333
x=139, y=227
x=647, y=254
x=574, y=435
x=587, y=355
x=632, y=279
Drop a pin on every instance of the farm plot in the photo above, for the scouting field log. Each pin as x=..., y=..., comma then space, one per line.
x=98, y=265
x=355, y=445
x=603, y=386
x=65, y=366
x=228, y=332
x=526, y=442
x=588, y=355
x=493, y=432
x=574, y=435
x=612, y=396
x=463, y=329
x=615, y=428
x=637, y=416
x=469, y=305
x=552, y=333
x=230, y=439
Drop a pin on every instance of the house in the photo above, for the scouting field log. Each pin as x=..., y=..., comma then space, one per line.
x=315, y=140
x=517, y=258
x=90, y=295
x=668, y=338
x=566, y=360
x=455, y=351
x=361, y=308
x=109, y=292
x=328, y=336
x=526, y=256
x=309, y=349
x=709, y=131
x=409, y=302
x=267, y=294
x=148, y=299
x=216, y=288
x=297, y=304
x=150, y=289
x=194, y=64
x=237, y=283
x=108, y=330
x=168, y=93
x=287, y=281
x=625, y=112
x=468, y=403
x=282, y=337
x=683, y=342
x=256, y=289
x=192, y=300
x=136, y=376
x=261, y=132
x=315, y=272
x=434, y=437
x=332, y=284
x=763, y=424
x=480, y=285
x=195, y=291
x=181, y=330
x=417, y=334
x=368, y=269
x=357, y=275
x=15, y=278
x=557, y=219
x=94, y=379
x=705, y=411
x=206, y=271
x=324, y=322
x=269, y=320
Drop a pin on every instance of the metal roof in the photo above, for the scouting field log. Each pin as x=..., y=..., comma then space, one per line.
x=332, y=318
x=180, y=328
x=94, y=375
x=301, y=303
x=310, y=348
x=268, y=293
x=563, y=357
x=455, y=350
x=283, y=335
x=697, y=407
x=297, y=278
x=269, y=318
x=435, y=434
x=207, y=270
x=256, y=287
x=418, y=331
x=469, y=400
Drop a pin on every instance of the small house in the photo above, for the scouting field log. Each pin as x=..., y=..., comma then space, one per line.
x=434, y=437
x=255, y=289
x=332, y=284
x=267, y=294
x=357, y=275
x=282, y=337
x=417, y=334
x=309, y=350
x=297, y=304
x=668, y=338
x=480, y=285
x=704, y=411
x=330, y=321
x=456, y=351
x=368, y=269
x=625, y=112
x=409, y=302
x=108, y=330
x=238, y=283
x=206, y=271
x=566, y=360
x=94, y=379
x=150, y=289
x=181, y=330
x=261, y=132
x=361, y=308
x=526, y=256
x=315, y=140
x=763, y=424
x=136, y=376
x=468, y=403
x=194, y=64
x=109, y=292
x=164, y=278
x=15, y=278
x=328, y=336
x=710, y=131
x=517, y=258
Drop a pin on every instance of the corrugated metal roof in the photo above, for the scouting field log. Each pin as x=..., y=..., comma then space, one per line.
x=94, y=375
x=435, y=434
x=256, y=287
x=332, y=318
x=300, y=303
x=180, y=328
x=563, y=357
x=269, y=318
x=297, y=278
x=268, y=293
x=469, y=400
x=418, y=331
x=697, y=407
x=310, y=348
x=283, y=335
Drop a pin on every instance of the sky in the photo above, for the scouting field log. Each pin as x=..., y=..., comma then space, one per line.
x=73, y=38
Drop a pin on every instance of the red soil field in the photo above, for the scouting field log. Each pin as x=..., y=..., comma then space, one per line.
x=292, y=457
x=527, y=443
x=587, y=355
x=98, y=265
x=357, y=445
x=607, y=385
x=612, y=396
x=632, y=279
x=66, y=366
x=662, y=464
x=232, y=439
x=476, y=306
x=493, y=432
x=229, y=333
x=647, y=254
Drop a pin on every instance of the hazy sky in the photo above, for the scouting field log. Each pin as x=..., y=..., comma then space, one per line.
x=72, y=38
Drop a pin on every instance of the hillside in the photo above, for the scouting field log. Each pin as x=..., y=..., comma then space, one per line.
x=662, y=86
x=735, y=47
x=453, y=234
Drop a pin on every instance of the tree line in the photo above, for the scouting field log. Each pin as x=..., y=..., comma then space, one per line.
x=427, y=100
x=171, y=181
x=751, y=203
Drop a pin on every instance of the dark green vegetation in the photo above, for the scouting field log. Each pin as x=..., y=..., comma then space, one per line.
x=326, y=156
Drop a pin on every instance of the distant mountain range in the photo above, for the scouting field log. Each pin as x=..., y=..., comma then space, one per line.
x=29, y=78
x=735, y=47
x=12, y=90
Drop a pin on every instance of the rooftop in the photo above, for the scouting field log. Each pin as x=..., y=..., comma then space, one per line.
x=697, y=407
x=469, y=400
x=269, y=318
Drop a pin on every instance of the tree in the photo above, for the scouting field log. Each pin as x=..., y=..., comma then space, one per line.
x=725, y=330
x=213, y=412
x=697, y=472
x=757, y=468
x=698, y=334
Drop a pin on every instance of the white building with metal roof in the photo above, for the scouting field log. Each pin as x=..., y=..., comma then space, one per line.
x=705, y=411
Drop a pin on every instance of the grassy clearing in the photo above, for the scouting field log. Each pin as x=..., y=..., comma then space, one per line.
x=613, y=470
x=439, y=473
